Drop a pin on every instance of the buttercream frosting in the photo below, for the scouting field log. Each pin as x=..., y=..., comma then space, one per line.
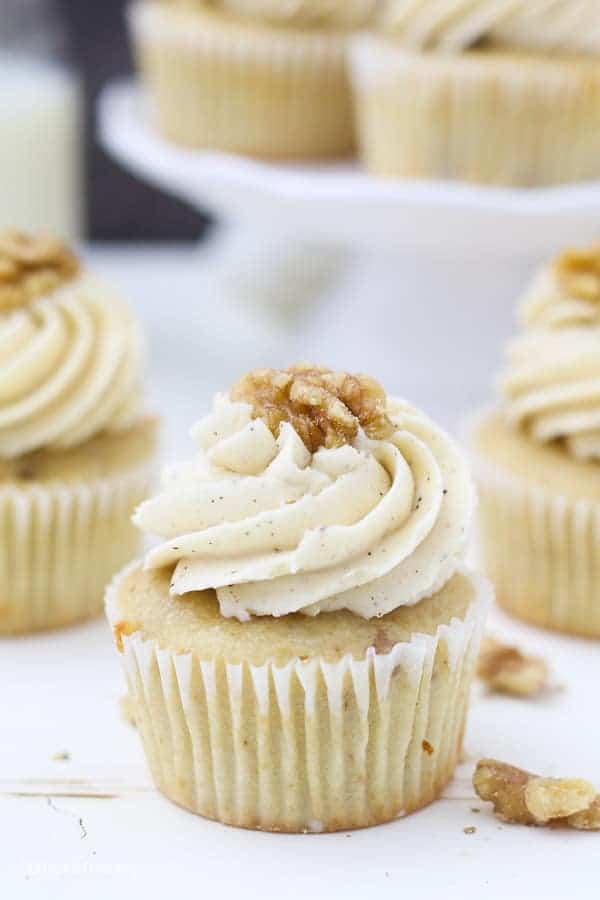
x=275, y=529
x=70, y=368
x=300, y=13
x=552, y=383
x=566, y=25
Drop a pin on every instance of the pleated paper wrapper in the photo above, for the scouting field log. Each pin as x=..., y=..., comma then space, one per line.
x=269, y=92
x=62, y=543
x=487, y=117
x=310, y=746
x=541, y=550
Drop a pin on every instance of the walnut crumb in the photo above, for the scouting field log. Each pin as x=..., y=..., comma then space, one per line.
x=522, y=798
x=121, y=630
x=507, y=670
x=325, y=407
x=31, y=267
x=578, y=273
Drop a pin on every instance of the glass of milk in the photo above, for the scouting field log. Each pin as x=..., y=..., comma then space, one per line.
x=41, y=172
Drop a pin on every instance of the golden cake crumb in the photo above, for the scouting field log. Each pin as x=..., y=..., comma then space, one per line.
x=325, y=407
x=578, y=273
x=31, y=267
x=507, y=670
x=522, y=798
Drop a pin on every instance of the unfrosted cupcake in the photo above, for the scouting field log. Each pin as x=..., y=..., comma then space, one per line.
x=258, y=77
x=538, y=457
x=437, y=99
x=76, y=450
x=299, y=648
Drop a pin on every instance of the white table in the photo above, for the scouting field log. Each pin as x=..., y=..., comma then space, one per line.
x=92, y=825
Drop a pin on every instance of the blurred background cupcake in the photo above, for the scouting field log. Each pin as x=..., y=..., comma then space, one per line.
x=250, y=76
x=538, y=457
x=464, y=91
x=76, y=448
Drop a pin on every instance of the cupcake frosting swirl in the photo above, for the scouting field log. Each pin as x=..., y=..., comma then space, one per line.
x=567, y=25
x=70, y=365
x=552, y=383
x=365, y=525
x=443, y=24
x=298, y=13
x=564, y=25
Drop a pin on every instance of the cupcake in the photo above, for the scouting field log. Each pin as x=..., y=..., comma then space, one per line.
x=299, y=647
x=76, y=450
x=437, y=99
x=537, y=458
x=258, y=77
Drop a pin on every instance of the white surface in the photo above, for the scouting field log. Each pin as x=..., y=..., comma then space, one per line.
x=94, y=827
x=338, y=202
x=41, y=122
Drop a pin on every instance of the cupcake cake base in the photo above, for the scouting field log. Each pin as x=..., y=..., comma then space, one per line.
x=539, y=518
x=217, y=82
x=66, y=526
x=489, y=116
x=298, y=724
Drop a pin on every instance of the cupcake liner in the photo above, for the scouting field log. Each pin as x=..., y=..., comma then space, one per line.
x=483, y=116
x=215, y=82
x=541, y=551
x=62, y=543
x=310, y=746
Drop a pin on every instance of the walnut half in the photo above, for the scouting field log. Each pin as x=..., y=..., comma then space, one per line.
x=507, y=670
x=522, y=798
x=325, y=407
x=31, y=267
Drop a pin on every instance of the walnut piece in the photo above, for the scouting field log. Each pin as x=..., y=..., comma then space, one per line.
x=325, y=407
x=578, y=273
x=507, y=670
x=522, y=798
x=31, y=267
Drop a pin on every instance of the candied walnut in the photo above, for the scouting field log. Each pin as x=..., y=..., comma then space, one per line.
x=325, y=407
x=507, y=670
x=525, y=799
x=578, y=273
x=31, y=267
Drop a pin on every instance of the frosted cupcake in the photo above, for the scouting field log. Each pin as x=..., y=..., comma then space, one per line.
x=436, y=99
x=300, y=645
x=538, y=457
x=258, y=77
x=75, y=448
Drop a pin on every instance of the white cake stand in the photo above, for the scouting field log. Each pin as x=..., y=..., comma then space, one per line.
x=340, y=203
x=406, y=272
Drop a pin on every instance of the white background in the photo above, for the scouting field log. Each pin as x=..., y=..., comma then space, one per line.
x=93, y=826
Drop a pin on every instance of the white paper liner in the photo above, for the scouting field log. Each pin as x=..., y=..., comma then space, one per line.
x=541, y=550
x=312, y=745
x=482, y=117
x=62, y=543
x=263, y=91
